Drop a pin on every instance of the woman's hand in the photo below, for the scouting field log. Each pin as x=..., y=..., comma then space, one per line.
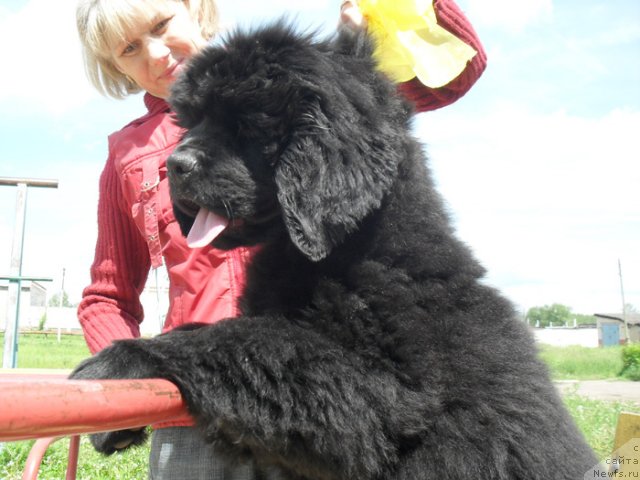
x=350, y=15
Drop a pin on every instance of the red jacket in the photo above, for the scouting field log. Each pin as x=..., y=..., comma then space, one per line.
x=136, y=227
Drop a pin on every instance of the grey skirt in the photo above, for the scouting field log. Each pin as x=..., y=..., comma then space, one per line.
x=180, y=453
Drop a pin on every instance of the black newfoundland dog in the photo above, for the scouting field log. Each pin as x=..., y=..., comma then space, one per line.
x=368, y=348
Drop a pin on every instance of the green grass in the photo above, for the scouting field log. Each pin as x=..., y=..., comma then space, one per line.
x=582, y=363
x=596, y=419
x=127, y=465
x=44, y=350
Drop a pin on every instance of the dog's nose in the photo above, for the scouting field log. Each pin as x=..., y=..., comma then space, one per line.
x=181, y=163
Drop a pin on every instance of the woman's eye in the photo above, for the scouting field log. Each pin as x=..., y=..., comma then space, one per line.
x=128, y=50
x=160, y=26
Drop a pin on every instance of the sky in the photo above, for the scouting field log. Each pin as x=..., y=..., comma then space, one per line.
x=538, y=163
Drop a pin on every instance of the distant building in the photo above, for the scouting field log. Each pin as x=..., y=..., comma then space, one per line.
x=611, y=328
x=33, y=304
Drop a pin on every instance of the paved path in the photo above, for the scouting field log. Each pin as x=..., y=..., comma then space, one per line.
x=602, y=389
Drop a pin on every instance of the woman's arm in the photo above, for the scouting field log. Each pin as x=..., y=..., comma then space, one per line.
x=451, y=18
x=110, y=308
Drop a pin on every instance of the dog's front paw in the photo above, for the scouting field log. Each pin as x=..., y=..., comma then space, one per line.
x=124, y=359
x=110, y=442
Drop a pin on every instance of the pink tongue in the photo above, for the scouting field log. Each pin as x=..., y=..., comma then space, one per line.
x=206, y=227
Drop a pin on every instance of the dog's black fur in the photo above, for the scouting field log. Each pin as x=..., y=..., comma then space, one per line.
x=368, y=348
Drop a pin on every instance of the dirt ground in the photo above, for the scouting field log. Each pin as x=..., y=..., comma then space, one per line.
x=603, y=389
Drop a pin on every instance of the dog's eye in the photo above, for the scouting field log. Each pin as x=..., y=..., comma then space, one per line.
x=259, y=156
x=270, y=149
x=271, y=152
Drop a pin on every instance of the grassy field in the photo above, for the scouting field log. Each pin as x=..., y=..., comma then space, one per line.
x=596, y=419
x=128, y=465
x=44, y=350
x=582, y=363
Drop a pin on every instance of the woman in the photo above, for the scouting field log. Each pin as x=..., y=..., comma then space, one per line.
x=142, y=45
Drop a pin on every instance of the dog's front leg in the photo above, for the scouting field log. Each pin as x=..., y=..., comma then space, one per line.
x=263, y=385
x=284, y=393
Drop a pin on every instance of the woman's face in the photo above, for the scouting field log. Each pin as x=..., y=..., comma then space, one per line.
x=157, y=47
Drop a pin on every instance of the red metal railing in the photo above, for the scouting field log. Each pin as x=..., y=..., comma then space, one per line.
x=49, y=406
x=32, y=466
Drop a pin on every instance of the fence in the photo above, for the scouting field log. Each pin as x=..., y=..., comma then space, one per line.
x=48, y=406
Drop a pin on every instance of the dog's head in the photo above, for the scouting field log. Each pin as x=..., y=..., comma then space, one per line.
x=283, y=131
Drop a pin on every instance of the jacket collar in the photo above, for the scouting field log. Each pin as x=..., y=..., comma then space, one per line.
x=155, y=104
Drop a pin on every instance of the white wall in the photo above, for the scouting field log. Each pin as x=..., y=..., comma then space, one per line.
x=29, y=315
x=562, y=337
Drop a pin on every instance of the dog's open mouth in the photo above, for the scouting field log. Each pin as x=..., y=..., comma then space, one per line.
x=203, y=226
x=207, y=225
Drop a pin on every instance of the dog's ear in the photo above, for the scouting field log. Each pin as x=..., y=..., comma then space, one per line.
x=340, y=161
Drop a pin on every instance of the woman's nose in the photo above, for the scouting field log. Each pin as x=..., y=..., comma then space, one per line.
x=158, y=51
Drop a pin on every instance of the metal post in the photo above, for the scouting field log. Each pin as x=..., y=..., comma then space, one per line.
x=624, y=306
x=60, y=303
x=15, y=284
x=15, y=275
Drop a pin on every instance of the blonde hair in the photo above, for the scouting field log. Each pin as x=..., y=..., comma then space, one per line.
x=104, y=23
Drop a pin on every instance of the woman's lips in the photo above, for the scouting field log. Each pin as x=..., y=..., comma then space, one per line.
x=173, y=70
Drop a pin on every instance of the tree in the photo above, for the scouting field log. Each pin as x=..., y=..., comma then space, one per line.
x=549, y=315
x=54, y=301
x=582, y=319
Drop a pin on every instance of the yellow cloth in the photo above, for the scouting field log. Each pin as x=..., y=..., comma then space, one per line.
x=410, y=43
